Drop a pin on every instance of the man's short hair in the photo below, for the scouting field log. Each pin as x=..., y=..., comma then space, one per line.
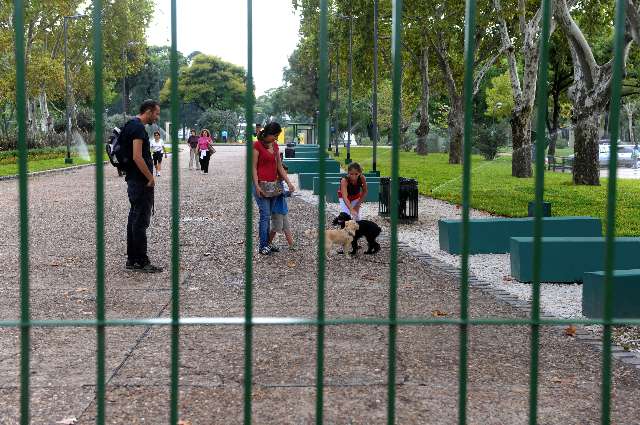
x=148, y=105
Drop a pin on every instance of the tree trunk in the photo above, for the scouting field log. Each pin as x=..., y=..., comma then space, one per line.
x=423, y=129
x=521, y=136
x=586, y=170
x=555, y=123
x=456, y=131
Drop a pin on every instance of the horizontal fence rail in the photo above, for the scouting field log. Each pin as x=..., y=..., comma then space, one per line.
x=320, y=321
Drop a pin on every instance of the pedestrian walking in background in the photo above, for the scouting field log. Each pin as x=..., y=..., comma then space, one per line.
x=159, y=151
x=194, y=160
x=140, y=185
x=205, y=149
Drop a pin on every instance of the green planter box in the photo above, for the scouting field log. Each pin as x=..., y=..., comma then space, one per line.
x=568, y=259
x=492, y=235
x=310, y=165
x=626, y=294
x=336, y=179
x=372, y=195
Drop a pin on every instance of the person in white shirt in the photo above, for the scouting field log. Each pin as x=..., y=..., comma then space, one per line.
x=158, y=149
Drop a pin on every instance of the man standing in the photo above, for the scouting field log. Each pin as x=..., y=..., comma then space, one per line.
x=140, y=186
x=193, y=150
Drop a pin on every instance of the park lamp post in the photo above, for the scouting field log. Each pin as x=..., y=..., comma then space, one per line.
x=67, y=92
x=350, y=113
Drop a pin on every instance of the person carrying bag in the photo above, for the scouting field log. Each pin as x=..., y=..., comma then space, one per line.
x=267, y=166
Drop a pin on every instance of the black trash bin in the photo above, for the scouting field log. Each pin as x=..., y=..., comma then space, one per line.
x=289, y=153
x=407, y=198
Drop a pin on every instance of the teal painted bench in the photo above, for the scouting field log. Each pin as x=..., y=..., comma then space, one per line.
x=308, y=155
x=626, y=294
x=372, y=195
x=336, y=179
x=310, y=165
x=307, y=148
x=568, y=259
x=305, y=180
x=491, y=235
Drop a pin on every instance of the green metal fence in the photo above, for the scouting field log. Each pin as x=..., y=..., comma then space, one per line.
x=25, y=324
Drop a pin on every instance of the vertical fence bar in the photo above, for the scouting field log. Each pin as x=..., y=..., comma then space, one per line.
x=323, y=125
x=248, y=207
x=396, y=53
x=537, y=225
x=175, y=221
x=614, y=123
x=469, y=49
x=374, y=101
x=25, y=325
x=98, y=111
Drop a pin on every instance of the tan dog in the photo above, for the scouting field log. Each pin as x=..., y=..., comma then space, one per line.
x=341, y=237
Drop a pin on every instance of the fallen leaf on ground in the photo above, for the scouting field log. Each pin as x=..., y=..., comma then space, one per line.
x=240, y=242
x=291, y=264
x=570, y=331
x=206, y=254
x=507, y=278
x=68, y=421
x=556, y=380
x=82, y=289
x=55, y=265
x=368, y=277
x=438, y=313
x=184, y=422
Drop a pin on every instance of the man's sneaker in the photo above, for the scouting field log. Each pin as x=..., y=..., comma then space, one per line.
x=147, y=268
x=274, y=248
x=130, y=265
x=265, y=250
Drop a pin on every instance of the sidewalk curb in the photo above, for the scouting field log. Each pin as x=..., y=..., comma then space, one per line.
x=47, y=172
x=54, y=171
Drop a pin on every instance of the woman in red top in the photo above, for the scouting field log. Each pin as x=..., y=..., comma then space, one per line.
x=267, y=166
x=355, y=187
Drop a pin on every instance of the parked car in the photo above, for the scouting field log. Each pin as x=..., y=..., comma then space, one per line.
x=625, y=158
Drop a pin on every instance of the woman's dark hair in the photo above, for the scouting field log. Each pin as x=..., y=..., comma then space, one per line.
x=157, y=132
x=271, y=129
x=148, y=105
x=354, y=166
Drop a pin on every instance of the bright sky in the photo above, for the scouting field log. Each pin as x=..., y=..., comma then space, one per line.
x=219, y=27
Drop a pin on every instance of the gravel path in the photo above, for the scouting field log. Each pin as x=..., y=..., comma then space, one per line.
x=212, y=229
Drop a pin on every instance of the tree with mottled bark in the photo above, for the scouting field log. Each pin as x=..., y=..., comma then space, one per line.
x=589, y=95
x=523, y=88
x=447, y=39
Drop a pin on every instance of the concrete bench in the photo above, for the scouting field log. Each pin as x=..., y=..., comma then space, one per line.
x=626, y=294
x=305, y=180
x=310, y=165
x=308, y=155
x=336, y=179
x=568, y=259
x=373, y=193
x=491, y=235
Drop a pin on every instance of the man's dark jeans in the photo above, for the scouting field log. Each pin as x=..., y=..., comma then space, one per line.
x=141, y=200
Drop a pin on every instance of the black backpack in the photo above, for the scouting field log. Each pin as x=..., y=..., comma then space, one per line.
x=120, y=155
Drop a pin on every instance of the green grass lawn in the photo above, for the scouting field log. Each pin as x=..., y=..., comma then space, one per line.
x=493, y=189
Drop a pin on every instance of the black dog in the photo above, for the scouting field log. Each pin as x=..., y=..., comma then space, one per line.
x=368, y=229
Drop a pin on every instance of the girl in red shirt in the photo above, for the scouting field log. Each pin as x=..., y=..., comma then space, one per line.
x=267, y=166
